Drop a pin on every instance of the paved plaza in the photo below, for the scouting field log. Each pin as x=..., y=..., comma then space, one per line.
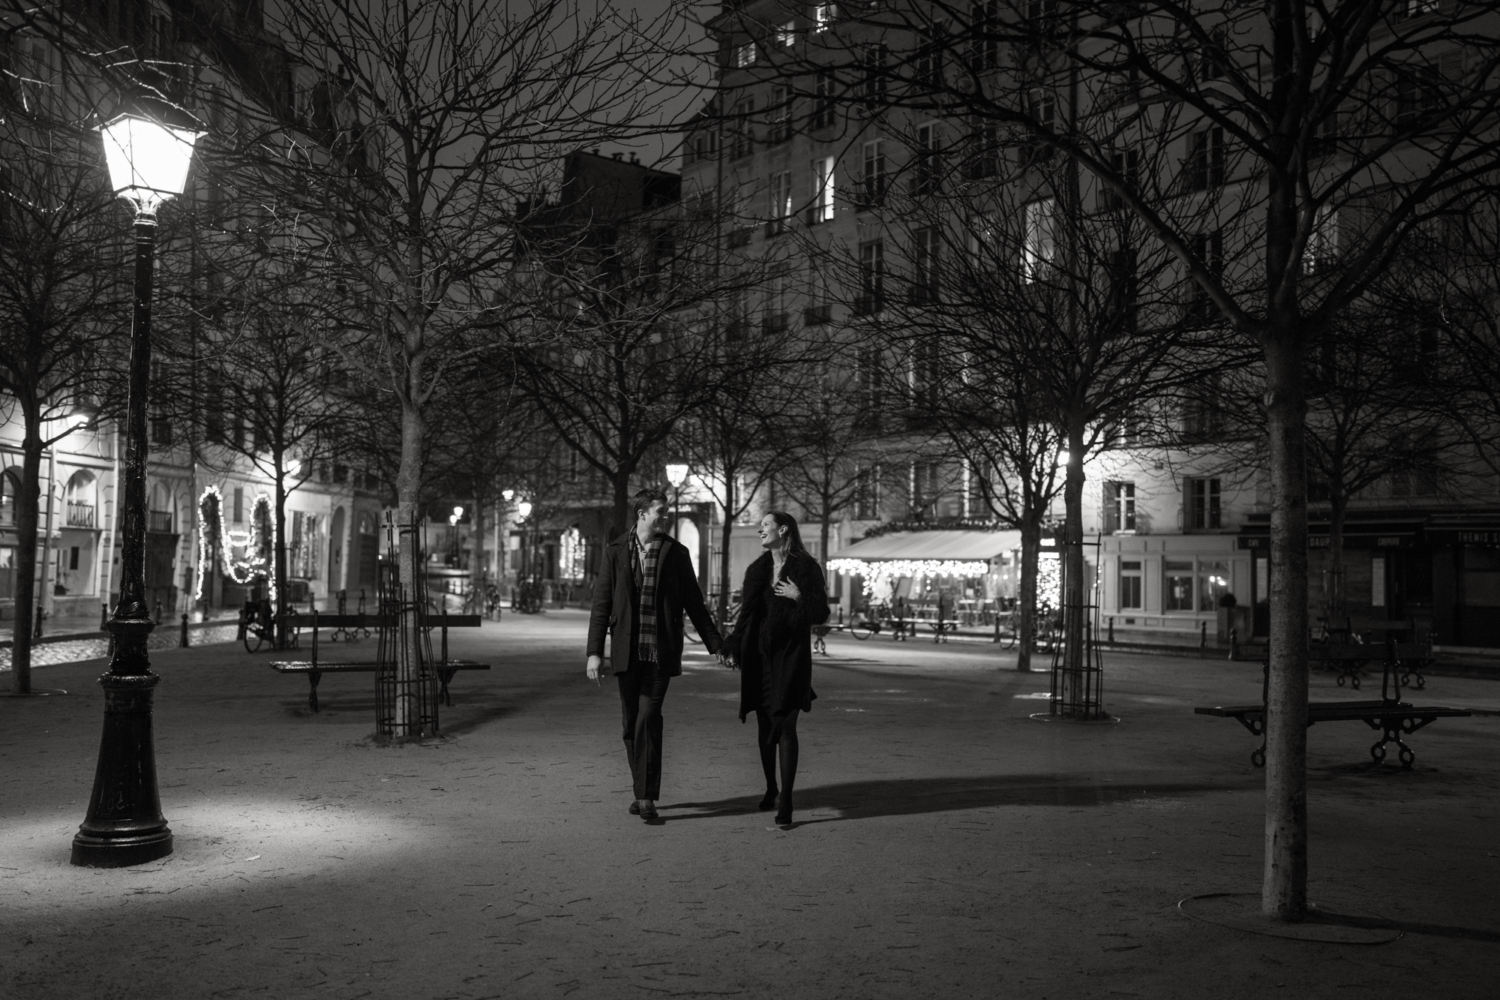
x=946, y=844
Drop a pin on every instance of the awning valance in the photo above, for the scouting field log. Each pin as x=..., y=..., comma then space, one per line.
x=937, y=545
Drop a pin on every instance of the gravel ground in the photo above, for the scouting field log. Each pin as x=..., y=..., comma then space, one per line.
x=947, y=845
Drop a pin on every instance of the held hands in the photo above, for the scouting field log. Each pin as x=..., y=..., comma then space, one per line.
x=593, y=668
x=787, y=589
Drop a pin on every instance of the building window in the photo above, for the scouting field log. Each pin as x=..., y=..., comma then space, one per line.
x=1205, y=163
x=823, y=92
x=984, y=150
x=823, y=15
x=924, y=258
x=742, y=141
x=1209, y=249
x=1203, y=504
x=744, y=55
x=823, y=191
x=928, y=168
x=1323, y=242
x=1130, y=585
x=984, y=45
x=239, y=505
x=871, y=278
x=1126, y=165
x=982, y=237
x=781, y=202
x=775, y=317
x=1177, y=589
x=786, y=34
x=874, y=73
x=1213, y=583
x=873, y=190
x=1040, y=249
x=781, y=115
x=1119, y=507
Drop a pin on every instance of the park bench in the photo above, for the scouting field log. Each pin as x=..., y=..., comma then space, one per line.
x=316, y=667
x=1411, y=657
x=1387, y=715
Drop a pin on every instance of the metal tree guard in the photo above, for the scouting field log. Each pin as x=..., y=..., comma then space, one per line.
x=1078, y=692
x=406, y=685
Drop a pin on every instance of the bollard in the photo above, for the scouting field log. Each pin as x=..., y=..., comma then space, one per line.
x=156, y=615
x=184, y=630
x=36, y=632
x=1203, y=635
x=1111, y=630
x=1234, y=644
x=104, y=617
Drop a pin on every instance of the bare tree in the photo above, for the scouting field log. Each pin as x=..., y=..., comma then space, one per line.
x=63, y=288
x=400, y=163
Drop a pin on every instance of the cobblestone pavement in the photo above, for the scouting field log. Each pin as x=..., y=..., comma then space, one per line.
x=947, y=845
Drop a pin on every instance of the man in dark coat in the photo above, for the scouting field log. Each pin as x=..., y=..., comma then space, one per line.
x=646, y=585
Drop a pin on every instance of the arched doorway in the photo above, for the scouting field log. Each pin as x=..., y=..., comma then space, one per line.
x=687, y=533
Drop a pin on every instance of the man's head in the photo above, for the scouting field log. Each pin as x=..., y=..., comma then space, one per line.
x=650, y=506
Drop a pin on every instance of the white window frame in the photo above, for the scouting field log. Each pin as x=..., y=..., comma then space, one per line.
x=744, y=55
x=823, y=15
x=786, y=34
x=824, y=187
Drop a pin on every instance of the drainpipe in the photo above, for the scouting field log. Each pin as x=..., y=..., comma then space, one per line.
x=44, y=596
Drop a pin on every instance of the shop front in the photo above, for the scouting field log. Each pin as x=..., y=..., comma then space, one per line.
x=962, y=575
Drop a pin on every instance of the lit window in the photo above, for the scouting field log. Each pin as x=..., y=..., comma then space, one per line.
x=1040, y=249
x=1323, y=241
x=1130, y=585
x=786, y=35
x=823, y=190
x=745, y=55
x=823, y=16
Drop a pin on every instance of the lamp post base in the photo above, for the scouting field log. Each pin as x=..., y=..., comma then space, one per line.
x=124, y=825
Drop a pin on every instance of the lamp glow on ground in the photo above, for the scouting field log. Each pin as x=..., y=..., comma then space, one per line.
x=148, y=164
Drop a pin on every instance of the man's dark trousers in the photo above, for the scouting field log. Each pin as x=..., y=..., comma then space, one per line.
x=642, y=690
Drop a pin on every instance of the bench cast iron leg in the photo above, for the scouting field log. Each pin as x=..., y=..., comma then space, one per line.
x=444, y=676
x=1392, y=729
x=313, y=676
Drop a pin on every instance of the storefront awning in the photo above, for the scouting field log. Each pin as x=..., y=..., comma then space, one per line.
x=952, y=545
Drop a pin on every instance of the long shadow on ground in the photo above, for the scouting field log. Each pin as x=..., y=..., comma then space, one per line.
x=912, y=796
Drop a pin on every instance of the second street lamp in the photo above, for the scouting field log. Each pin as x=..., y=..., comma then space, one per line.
x=148, y=163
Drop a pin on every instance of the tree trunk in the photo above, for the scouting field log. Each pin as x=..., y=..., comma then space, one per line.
x=1074, y=612
x=1284, y=884
x=28, y=512
x=1031, y=550
x=279, y=568
x=726, y=532
x=476, y=560
x=406, y=719
x=621, y=515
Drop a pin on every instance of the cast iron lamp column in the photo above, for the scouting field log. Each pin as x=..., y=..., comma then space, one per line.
x=148, y=164
x=677, y=475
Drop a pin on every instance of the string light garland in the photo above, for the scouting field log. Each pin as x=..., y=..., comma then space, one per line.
x=255, y=563
x=881, y=574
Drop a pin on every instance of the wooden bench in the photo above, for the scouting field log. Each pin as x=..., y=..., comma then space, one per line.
x=1388, y=715
x=315, y=668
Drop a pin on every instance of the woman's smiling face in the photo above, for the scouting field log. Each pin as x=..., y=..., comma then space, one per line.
x=770, y=532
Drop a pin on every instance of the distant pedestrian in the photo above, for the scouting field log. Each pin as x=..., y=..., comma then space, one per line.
x=646, y=585
x=784, y=597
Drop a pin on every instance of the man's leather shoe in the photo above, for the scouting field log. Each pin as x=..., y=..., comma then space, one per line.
x=635, y=808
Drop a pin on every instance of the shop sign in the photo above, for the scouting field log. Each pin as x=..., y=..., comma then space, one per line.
x=1486, y=539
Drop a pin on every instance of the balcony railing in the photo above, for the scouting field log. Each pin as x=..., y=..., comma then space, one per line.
x=159, y=520
x=80, y=515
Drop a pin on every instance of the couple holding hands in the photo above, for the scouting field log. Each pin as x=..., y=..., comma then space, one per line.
x=646, y=586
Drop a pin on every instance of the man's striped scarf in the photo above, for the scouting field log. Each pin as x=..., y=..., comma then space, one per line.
x=647, y=557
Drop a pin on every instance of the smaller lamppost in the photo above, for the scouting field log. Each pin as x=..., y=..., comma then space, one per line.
x=677, y=475
x=148, y=163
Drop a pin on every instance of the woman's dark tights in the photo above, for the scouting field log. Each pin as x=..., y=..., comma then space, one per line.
x=788, y=745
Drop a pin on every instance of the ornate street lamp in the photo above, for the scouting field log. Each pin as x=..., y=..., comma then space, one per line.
x=148, y=163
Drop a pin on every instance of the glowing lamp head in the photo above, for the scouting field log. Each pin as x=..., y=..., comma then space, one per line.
x=1063, y=457
x=677, y=474
x=524, y=508
x=458, y=512
x=507, y=495
x=293, y=467
x=148, y=161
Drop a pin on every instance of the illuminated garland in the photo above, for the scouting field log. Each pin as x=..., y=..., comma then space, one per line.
x=241, y=571
x=883, y=573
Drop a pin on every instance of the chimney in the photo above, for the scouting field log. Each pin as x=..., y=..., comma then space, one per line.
x=618, y=156
x=634, y=158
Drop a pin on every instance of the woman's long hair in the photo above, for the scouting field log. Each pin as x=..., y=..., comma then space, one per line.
x=794, y=546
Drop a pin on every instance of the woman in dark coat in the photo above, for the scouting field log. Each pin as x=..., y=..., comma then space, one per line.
x=783, y=598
